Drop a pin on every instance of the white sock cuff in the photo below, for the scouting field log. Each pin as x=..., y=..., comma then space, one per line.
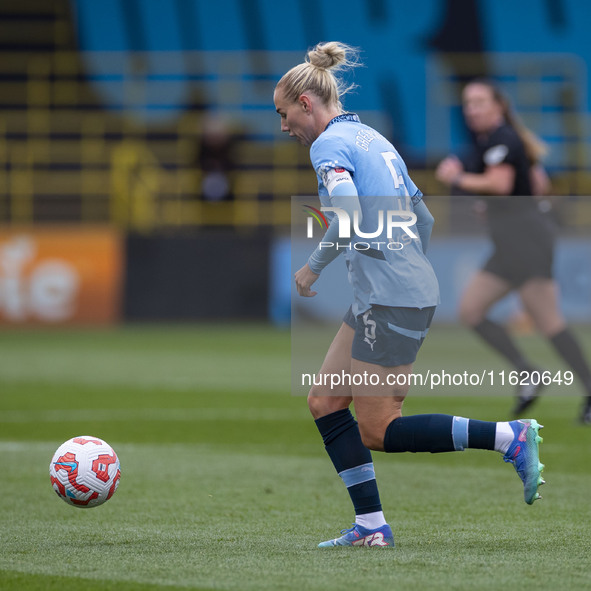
x=503, y=437
x=371, y=520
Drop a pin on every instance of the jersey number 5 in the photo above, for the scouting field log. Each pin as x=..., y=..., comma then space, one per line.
x=389, y=158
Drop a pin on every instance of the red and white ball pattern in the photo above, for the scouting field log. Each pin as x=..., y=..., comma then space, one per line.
x=85, y=471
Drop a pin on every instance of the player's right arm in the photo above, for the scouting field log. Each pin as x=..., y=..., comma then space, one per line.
x=343, y=195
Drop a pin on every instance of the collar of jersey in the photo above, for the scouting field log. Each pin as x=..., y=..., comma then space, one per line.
x=343, y=117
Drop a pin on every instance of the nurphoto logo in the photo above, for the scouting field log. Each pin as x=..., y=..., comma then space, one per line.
x=393, y=226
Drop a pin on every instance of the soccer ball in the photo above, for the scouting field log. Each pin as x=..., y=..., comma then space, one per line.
x=85, y=471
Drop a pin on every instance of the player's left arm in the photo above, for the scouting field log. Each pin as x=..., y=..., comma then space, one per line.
x=425, y=221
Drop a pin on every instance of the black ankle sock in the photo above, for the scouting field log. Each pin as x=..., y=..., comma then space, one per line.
x=569, y=349
x=498, y=338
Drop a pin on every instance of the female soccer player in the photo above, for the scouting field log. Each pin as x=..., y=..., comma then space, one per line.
x=504, y=165
x=395, y=293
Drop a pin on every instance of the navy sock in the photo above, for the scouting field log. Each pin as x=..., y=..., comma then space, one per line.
x=351, y=459
x=481, y=434
x=498, y=338
x=438, y=433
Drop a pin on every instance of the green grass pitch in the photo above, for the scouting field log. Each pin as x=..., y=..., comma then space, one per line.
x=225, y=484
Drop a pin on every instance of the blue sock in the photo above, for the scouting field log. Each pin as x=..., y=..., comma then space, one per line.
x=437, y=433
x=351, y=459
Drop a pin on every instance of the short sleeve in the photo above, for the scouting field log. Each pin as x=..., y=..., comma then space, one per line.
x=504, y=147
x=330, y=152
x=413, y=191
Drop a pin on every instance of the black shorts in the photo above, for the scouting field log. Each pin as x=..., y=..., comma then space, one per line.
x=523, y=248
x=389, y=336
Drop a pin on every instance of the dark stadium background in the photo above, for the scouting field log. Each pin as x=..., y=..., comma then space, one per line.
x=153, y=121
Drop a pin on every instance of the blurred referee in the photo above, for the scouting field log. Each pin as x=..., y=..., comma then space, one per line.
x=504, y=166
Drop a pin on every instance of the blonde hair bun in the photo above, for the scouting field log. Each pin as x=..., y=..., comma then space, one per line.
x=316, y=74
x=329, y=55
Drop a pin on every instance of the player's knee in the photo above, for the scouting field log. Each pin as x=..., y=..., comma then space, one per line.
x=321, y=406
x=372, y=436
x=373, y=428
x=400, y=390
x=470, y=315
x=550, y=326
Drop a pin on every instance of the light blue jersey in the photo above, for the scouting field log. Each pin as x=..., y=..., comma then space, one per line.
x=388, y=268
